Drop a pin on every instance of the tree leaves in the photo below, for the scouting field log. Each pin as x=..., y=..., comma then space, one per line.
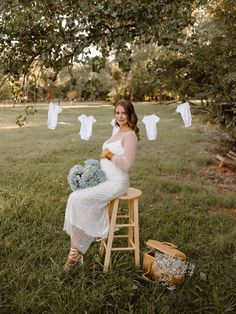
x=200, y=36
x=43, y=29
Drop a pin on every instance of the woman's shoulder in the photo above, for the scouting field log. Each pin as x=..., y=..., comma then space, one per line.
x=130, y=135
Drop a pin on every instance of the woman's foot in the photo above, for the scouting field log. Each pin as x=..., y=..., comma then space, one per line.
x=74, y=258
x=98, y=239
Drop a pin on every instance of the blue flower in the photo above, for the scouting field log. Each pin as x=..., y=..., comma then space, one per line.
x=92, y=162
x=81, y=177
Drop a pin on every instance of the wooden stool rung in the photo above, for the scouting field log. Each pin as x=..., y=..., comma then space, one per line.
x=122, y=216
x=123, y=249
x=121, y=236
x=125, y=225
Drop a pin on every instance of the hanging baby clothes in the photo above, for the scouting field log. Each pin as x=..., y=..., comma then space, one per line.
x=150, y=124
x=53, y=110
x=86, y=126
x=115, y=127
x=184, y=110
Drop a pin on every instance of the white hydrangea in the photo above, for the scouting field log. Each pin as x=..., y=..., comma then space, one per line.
x=81, y=177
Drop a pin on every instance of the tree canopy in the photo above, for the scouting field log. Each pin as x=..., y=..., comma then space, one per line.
x=193, y=55
x=59, y=32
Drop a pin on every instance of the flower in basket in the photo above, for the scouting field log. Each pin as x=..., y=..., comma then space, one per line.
x=81, y=177
x=171, y=270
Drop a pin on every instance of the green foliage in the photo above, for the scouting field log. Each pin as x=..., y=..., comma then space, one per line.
x=84, y=84
x=196, y=38
x=29, y=111
x=93, y=89
x=20, y=120
x=5, y=92
x=57, y=32
x=211, y=57
x=202, y=65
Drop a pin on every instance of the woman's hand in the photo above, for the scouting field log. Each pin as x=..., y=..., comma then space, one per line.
x=103, y=152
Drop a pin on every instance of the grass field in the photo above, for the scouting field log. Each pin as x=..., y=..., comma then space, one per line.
x=180, y=204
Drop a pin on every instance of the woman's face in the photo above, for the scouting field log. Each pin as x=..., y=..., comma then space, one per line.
x=121, y=116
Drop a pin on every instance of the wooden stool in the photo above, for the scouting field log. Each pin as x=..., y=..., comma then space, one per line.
x=132, y=197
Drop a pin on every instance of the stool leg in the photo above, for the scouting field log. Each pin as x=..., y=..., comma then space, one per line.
x=131, y=220
x=110, y=207
x=136, y=234
x=101, y=248
x=110, y=235
x=103, y=242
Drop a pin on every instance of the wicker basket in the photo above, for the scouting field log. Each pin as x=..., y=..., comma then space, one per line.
x=152, y=265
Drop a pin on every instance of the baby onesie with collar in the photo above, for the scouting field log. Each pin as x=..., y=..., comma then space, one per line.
x=150, y=122
x=184, y=110
x=53, y=110
x=86, y=126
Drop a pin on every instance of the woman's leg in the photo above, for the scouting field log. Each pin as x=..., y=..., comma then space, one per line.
x=75, y=256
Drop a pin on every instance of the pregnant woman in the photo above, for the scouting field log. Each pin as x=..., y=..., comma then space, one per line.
x=86, y=214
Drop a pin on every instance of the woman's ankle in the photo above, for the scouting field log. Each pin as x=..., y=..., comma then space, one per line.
x=74, y=257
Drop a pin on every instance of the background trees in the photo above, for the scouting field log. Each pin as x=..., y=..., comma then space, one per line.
x=58, y=32
x=180, y=48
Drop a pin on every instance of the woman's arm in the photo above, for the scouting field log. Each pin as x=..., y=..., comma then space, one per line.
x=125, y=162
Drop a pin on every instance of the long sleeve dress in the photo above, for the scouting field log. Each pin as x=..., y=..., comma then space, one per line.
x=86, y=214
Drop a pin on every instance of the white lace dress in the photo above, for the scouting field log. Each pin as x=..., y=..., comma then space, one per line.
x=86, y=214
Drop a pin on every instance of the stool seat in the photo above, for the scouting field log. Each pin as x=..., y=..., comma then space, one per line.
x=132, y=193
x=132, y=237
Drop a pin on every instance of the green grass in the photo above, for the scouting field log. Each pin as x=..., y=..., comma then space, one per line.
x=174, y=207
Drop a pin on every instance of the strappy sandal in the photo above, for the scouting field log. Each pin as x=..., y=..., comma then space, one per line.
x=98, y=239
x=74, y=258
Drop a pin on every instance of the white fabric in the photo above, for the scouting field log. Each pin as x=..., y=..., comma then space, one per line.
x=86, y=214
x=115, y=127
x=86, y=126
x=150, y=122
x=53, y=110
x=184, y=110
x=129, y=142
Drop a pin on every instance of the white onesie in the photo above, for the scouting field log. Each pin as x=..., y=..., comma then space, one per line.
x=53, y=111
x=115, y=127
x=86, y=126
x=150, y=124
x=184, y=110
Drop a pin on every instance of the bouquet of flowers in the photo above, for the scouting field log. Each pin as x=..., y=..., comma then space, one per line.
x=81, y=177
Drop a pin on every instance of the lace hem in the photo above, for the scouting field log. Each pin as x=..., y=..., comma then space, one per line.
x=78, y=236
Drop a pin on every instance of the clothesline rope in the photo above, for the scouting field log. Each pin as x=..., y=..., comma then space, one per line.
x=164, y=110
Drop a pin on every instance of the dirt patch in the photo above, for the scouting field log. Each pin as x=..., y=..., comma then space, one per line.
x=221, y=142
x=223, y=179
x=231, y=211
